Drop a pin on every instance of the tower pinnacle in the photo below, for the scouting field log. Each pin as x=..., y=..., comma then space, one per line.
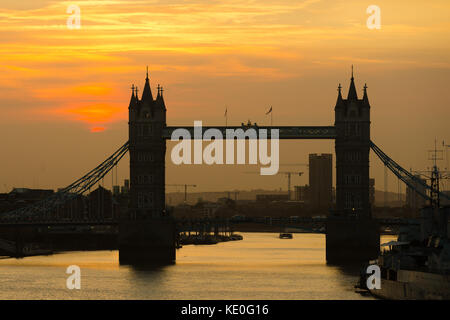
x=133, y=98
x=339, y=98
x=365, y=97
x=147, y=96
x=352, y=90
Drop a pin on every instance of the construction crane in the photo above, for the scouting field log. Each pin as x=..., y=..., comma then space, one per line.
x=185, y=188
x=288, y=175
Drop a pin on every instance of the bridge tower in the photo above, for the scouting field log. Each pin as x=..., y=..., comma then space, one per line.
x=352, y=146
x=351, y=233
x=147, y=118
x=147, y=232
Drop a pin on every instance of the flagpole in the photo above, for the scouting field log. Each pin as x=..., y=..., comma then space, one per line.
x=271, y=115
x=226, y=116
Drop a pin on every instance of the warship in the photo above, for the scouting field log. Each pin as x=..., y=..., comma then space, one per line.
x=417, y=265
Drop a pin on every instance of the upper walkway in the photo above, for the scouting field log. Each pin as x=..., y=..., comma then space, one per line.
x=285, y=132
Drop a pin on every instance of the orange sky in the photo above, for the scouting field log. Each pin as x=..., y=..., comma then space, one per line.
x=64, y=93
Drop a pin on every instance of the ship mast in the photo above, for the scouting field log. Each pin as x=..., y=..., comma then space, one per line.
x=435, y=175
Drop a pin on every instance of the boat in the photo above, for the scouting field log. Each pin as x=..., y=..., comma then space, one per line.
x=417, y=265
x=285, y=235
x=34, y=249
x=236, y=236
x=10, y=249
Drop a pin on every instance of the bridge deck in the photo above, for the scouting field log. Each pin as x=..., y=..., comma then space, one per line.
x=285, y=132
x=277, y=220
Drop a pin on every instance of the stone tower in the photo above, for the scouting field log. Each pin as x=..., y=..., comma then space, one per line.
x=148, y=234
x=351, y=234
x=352, y=122
x=147, y=118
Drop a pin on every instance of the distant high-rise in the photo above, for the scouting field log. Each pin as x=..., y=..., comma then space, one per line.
x=320, y=180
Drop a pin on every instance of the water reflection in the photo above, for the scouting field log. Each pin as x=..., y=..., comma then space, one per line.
x=261, y=266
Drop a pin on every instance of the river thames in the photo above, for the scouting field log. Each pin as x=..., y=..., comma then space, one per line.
x=260, y=267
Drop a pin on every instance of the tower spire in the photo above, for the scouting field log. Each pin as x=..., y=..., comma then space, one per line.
x=133, y=97
x=147, y=96
x=365, y=97
x=161, y=98
x=352, y=95
x=339, y=100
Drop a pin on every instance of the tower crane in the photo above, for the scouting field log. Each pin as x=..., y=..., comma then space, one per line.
x=185, y=188
x=288, y=175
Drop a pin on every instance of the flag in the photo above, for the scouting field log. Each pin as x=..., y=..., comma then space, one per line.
x=270, y=110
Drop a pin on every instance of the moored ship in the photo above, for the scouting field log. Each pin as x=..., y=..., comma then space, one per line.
x=417, y=265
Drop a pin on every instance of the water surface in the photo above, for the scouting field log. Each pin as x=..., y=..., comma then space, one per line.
x=261, y=266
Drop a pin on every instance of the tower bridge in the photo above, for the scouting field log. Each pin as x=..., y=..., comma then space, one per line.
x=148, y=233
x=148, y=236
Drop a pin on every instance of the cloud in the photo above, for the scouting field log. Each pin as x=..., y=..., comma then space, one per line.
x=86, y=73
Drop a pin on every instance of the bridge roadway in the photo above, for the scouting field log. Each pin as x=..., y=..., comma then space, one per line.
x=264, y=220
x=285, y=132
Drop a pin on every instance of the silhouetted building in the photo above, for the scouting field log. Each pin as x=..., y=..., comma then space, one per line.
x=101, y=204
x=320, y=180
x=126, y=186
x=271, y=197
x=302, y=193
x=21, y=197
x=413, y=199
x=29, y=195
x=74, y=209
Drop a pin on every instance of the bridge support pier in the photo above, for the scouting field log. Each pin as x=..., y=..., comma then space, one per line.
x=147, y=242
x=352, y=240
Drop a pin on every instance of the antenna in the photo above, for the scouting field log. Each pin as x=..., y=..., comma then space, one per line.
x=435, y=155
